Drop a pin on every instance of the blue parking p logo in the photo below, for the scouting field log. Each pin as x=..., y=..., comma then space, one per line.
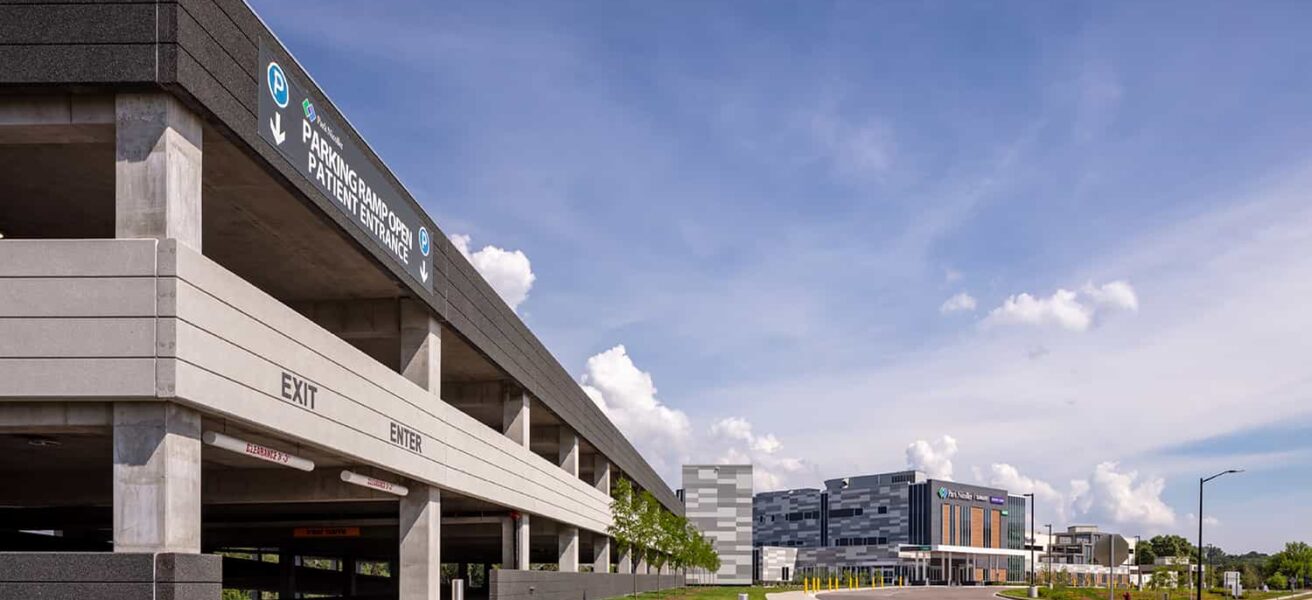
x=278, y=87
x=423, y=240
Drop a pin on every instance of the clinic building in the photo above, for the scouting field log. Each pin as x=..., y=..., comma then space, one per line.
x=900, y=526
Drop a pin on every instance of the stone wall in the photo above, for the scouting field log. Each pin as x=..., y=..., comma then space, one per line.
x=110, y=576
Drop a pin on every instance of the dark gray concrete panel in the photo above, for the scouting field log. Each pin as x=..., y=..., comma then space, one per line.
x=84, y=64
x=110, y=576
x=69, y=24
x=509, y=584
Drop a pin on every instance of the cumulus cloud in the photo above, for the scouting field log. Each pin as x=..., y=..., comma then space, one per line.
x=739, y=444
x=508, y=272
x=628, y=396
x=665, y=435
x=1069, y=310
x=1047, y=498
x=1122, y=497
x=1116, y=294
x=934, y=459
x=958, y=303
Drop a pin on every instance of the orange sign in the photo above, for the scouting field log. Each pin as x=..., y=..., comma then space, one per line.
x=325, y=532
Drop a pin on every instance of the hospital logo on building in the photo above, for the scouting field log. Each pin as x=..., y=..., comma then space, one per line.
x=943, y=493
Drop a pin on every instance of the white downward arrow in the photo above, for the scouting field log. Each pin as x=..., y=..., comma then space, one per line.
x=423, y=271
x=276, y=125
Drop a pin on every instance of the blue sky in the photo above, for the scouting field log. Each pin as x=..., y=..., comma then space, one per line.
x=768, y=204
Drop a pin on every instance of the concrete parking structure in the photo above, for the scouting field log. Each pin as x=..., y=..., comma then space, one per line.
x=226, y=328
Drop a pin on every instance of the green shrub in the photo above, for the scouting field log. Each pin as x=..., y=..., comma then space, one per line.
x=1277, y=582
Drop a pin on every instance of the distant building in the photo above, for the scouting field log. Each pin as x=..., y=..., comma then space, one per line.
x=895, y=525
x=1069, y=556
x=718, y=502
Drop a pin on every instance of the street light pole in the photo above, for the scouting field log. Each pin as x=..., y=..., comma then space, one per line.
x=1047, y=552
x=1201, y=481
x=1034, y=590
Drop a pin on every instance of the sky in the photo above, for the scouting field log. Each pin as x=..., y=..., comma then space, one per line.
x=1062, y=247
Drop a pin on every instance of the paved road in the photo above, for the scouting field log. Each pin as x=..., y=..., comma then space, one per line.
x=907, y=593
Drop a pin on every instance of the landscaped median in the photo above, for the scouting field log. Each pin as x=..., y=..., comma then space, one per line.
x=716, y=593
x=1100, y=593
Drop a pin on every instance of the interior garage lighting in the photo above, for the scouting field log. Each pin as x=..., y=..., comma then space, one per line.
x=375, y=484
x=253, y=450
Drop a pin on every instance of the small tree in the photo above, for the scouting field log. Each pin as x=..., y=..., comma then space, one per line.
x=1277, y=581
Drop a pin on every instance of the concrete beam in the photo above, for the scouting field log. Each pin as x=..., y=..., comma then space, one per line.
x=569, y=450
x=421, y=347
x=355, y=319
x=421, y=544
x=567, y=545
x=56, y=417
x=515, y=416
x=157, y=477
x=157, y=183
x=57, y=119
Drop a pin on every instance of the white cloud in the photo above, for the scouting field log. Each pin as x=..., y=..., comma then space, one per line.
x=1116, y=294
x=958, y=303
x=628, y=396
x=1049, y=502
x=934, y=459
x=665, y=435
x=508, y=272
x=1122, y=497
x=737, y=443
x=1065, y=308
x=1061, y=309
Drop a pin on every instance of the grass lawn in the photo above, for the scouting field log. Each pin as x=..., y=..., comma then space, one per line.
x=1084, y=593
x=715, y=593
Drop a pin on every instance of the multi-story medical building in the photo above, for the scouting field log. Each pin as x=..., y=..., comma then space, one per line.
x=898, y=525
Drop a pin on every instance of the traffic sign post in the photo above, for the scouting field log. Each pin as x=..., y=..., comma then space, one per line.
x=1111, y=550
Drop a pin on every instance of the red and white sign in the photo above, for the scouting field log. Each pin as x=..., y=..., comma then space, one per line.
x=253, y=450
x=373, y=483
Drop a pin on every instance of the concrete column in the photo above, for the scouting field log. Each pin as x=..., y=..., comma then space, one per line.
x=421, y=544
x=515, y=416
x=508, y=543
x=567, y=543
x=569, y=450
x=522, y=542
x=600, y=553
x=601, y=473
x=626, y=561
x=157, y=173
x=421, y=347
x=157, y=477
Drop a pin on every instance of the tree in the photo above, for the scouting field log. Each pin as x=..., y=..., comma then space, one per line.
x=1294, y=562
x=1277, y=581
x=1144, y=553
x=1172, y=546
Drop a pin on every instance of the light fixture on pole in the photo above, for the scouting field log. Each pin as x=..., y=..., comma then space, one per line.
x=1201, y=481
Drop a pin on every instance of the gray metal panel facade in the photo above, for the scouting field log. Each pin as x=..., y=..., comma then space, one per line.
x=206, y=53
x=771, y=525
x=718, y=502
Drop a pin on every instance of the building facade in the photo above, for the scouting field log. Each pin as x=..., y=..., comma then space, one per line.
x=718, y=502
x=898, y=525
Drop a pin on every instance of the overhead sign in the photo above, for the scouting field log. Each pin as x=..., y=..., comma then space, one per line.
x=325, y=532
x=374, y=483
x=253, y=450
x=320, y=151
x=1111, y=550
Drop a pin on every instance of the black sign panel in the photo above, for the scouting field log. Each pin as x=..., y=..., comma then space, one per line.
x=316, y=146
